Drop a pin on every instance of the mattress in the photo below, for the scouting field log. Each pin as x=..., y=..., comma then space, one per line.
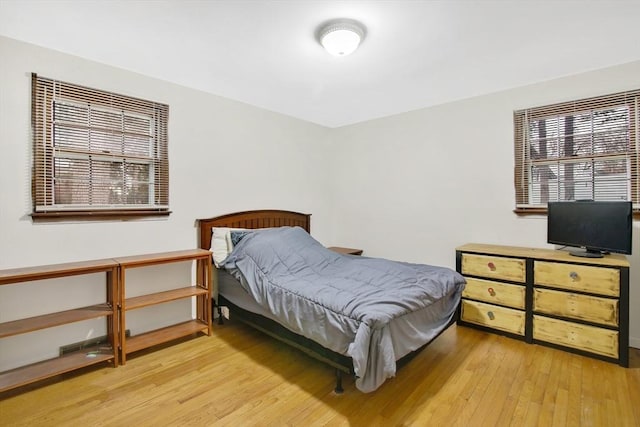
x=374, y=311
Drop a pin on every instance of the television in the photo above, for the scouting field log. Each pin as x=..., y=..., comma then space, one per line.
x=597, y=226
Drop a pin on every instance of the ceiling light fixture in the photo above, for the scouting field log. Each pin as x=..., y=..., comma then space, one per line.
x=341, y=37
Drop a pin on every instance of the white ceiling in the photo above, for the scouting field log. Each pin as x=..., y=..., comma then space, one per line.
x=264, y=52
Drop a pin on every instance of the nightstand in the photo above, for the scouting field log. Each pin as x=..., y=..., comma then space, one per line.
x=345, y=251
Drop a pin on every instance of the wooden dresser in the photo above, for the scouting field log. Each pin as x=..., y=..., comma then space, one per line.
x=548, y=297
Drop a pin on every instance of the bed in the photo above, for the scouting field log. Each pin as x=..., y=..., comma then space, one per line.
x=334, y=307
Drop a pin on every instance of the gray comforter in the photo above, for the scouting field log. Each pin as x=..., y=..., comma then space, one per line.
x=345, y=303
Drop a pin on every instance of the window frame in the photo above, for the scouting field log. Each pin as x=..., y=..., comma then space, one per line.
x=52, y=147
x=523, y=141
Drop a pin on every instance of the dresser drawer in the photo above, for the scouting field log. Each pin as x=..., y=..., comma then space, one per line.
x=492, y=316
x=574, y=335
x=492, y=267
x=584, y=307
x=596, y=280
x=495, y=292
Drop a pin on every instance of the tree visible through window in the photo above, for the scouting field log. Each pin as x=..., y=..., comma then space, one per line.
x=97, y=153
x=586, y=149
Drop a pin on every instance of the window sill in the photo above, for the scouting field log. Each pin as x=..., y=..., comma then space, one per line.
x=543, y=211
x=530, y=211
x=95, y=215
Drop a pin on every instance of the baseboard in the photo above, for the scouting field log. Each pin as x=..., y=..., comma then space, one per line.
x=634, y=342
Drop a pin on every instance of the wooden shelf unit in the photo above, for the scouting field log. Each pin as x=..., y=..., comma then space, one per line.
x=48, y=368
x=201, y=291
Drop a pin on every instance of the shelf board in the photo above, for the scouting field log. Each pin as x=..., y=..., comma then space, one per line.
x=48, y=368
x=162, y=257
x=28, y=274
x=160, y=297
x=159, y=336
x=30, y=324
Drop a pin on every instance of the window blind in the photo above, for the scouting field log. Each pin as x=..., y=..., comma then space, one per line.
x=97, y=151
x=585, y=149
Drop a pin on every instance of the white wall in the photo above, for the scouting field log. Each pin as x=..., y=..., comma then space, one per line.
x=409, y=187
x=224, y=156
x=416, y=185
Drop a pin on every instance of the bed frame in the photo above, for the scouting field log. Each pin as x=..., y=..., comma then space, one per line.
x=278, y=218
x=266, y=219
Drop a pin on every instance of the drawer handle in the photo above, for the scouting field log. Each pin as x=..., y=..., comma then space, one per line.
x=574, y=276
x=491, y=266
x=491, y=315
x=491, y=292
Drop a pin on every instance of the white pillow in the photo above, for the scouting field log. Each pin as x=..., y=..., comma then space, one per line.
x=221, y=245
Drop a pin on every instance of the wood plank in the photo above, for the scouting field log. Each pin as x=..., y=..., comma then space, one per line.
x=162, y=257
x=166, y=296
x=163, y=335
x=479, y=389
x=41, y=370
x=493, y=316
x=495, y=292
x=511, y=405
x=584, y=307
x=30, y=324
x=632, y=389
x=551, y=391
x=595, y=280
x=615, y=260
x=493, y=267
x=525, y=392
x=576, y=387
x=582, y=337
x=41, y=272
x=493, y=400
x=241, y=375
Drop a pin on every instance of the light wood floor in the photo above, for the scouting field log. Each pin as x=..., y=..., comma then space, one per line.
x=239, y=377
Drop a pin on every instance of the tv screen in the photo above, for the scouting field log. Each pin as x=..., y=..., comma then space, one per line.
x=599, y=227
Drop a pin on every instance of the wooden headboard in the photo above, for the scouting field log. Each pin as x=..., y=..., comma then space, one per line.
x=252, y=219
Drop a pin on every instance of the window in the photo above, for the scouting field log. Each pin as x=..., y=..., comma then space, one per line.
x=97, y=154
x=586, y=149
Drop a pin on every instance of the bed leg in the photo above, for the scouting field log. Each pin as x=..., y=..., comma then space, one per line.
x=339, y=389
